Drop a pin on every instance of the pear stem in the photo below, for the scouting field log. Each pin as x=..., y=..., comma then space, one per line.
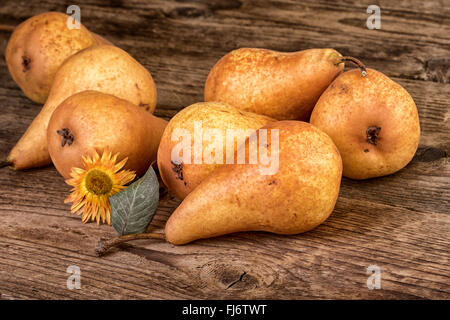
x=104, y=245
x=6, y=163
x=357, y=62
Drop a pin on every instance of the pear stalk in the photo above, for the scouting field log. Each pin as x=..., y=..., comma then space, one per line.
x=357, y=62
x=5, y=163
x=104, y=245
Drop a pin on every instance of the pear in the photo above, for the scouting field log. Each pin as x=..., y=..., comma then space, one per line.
x=38, y=47
x=104, y=68
x=181, y=178
x=100, y=39
x=281, y=85
x=93, y=121
x=296, y=198
x=372, y=120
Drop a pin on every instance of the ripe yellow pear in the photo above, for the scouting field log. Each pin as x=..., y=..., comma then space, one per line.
x=281, y=85
x=181, y=178
x=100, y=39
x=38, y=47
x=93, y=121
x=372, y=120
x=104, y=68
x=296, y=198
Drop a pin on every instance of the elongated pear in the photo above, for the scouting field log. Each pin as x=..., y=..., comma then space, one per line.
x=103, y=68
x=100, y=39
x=372, y=120
x=296, y=198
x=92, y=121
x=38, y=47
x=280, y=85
x=212, y=124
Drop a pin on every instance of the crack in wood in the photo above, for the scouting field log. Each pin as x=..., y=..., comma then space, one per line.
x=238, y=280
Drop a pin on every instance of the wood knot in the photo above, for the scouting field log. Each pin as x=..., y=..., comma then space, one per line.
x=227, y=277
x=237, y=274
x=438, y=70
x=430, y=154
x=186, y=12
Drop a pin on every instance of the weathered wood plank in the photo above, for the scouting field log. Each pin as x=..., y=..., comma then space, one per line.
x=400, y=223
x=332, y=259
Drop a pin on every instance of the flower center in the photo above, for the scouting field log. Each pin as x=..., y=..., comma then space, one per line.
x=98, y=182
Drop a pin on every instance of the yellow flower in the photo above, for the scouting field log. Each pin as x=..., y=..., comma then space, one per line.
x=93, y=185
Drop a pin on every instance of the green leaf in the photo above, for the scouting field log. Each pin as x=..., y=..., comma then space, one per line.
x=133, y=208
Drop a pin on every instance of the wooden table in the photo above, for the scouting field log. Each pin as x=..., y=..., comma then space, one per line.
x=399, y=223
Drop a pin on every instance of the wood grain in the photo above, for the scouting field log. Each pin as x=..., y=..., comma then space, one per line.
x=400, y=223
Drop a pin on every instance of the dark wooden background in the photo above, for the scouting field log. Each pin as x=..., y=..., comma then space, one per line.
x=400, y=223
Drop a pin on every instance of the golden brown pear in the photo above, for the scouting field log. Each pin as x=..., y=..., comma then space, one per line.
x=372, y=120
x=182, y=178
x=91, y=120
x=103, y=68
x=276, y=84
x=296, y=198
x=38, y=47
x=100, y=39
